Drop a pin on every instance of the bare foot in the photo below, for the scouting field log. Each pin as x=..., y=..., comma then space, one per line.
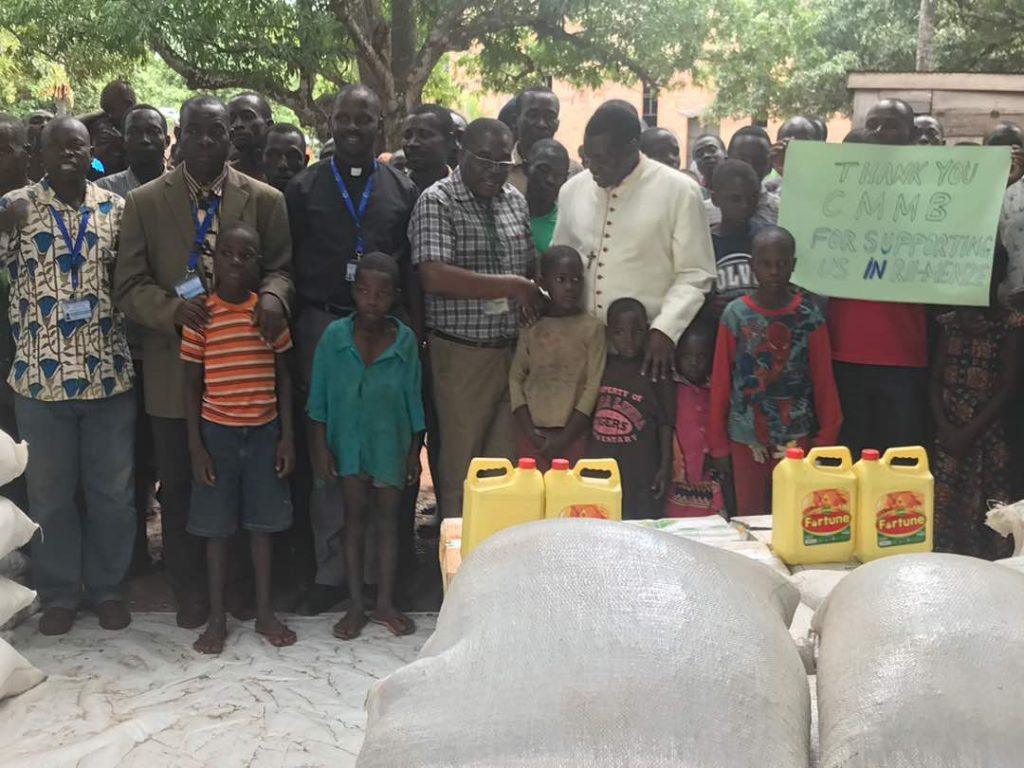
x=212, y=640
x=397, y=622
x=277, y=633
x=351, y=625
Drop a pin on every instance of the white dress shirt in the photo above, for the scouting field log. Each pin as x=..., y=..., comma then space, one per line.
x=646, y=239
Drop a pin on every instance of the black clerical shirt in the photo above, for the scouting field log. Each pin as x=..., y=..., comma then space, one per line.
x=324, y=233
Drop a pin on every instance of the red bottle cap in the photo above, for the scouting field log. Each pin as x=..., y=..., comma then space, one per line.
x=794, y=453
x=560, y=464
x=527, y=463
x=869, y=454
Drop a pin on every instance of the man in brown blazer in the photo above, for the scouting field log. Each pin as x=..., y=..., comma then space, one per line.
x=163, y=274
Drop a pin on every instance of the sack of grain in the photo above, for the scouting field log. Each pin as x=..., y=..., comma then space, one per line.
x=921, y=665
x=598, y=644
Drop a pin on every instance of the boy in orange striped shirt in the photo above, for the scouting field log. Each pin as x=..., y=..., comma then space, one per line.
x=238, y=402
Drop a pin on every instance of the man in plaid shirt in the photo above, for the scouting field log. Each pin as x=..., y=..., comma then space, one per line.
x=470, y=236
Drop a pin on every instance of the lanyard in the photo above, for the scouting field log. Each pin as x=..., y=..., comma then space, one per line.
x=356, y=214
x=77, y=259
x=201, y=230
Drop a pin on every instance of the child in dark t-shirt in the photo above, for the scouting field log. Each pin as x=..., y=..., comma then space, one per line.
x=735, y=190
x=634, y=417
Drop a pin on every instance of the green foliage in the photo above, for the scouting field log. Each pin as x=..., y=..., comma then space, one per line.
x=793, y=56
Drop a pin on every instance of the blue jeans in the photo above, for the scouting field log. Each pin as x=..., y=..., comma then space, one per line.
x=91, y=442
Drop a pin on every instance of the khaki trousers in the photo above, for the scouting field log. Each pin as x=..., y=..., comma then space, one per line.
x=473, y=411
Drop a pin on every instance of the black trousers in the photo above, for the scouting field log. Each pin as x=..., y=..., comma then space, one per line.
x=883, y=406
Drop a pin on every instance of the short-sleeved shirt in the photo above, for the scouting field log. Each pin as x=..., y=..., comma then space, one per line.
x=239, y=369
x=371, y=412
x=490, y=236
x=732, y=260
x=626, y=422
x=324, y=233
x=57, y=358
x=557, y=368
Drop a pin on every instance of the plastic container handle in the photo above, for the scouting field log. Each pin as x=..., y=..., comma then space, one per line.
x=909, y=452
x=478, y=465
x=611, y=466
x=830, y=452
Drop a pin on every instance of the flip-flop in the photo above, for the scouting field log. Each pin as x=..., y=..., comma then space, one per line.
x=281, y=639
x=342, y=633
x=395, y=624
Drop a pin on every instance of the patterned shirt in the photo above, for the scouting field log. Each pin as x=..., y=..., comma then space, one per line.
x=201, y=196
x=239, y=370
x=772, y=381
x=55, y=358
x=451, y=225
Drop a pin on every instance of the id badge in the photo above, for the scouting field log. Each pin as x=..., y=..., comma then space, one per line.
x=190, y=287
x=350, y=271
x=496, y=307
x=76, y=309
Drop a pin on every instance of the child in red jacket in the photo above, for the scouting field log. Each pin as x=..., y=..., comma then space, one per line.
x=772, y=384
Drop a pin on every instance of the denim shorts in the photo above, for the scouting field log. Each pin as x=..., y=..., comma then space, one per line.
x=248, y=491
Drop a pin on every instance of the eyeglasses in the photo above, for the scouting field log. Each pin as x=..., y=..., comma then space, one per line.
x=492, y=165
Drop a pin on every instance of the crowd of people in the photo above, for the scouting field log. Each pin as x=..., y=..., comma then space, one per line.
x=272, y=343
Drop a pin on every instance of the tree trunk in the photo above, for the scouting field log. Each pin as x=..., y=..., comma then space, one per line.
x=925, y=36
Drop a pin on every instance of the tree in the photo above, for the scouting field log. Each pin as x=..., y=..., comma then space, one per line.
x=295, y=51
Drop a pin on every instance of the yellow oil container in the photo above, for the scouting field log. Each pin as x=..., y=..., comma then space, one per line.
x=813, y=501
x=895, y=507
x=504, y=497
x=570, y=493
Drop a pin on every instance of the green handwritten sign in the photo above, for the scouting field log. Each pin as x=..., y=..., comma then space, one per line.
x=913, y=224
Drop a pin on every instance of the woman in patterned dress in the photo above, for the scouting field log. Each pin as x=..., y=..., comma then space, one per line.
x=974, y=376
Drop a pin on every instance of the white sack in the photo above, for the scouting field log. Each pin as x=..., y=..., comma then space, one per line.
x=921, y=665
x=15, y=527
x=1017, y=563
x=1008, y=520
x=591, y=643
x=13, y=565
x=16, y=674
x=13, y=597
x=13, y=458
x=815, y=585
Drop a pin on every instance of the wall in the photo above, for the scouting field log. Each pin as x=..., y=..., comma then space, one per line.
x=676, y=107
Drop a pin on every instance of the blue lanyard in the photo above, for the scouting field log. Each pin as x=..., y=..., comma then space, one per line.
x=357, y=215
x=201, y=230
x=77, y=259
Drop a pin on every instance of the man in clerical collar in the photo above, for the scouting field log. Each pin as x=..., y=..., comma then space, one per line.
x=249, y=117
x=163, y=275
x=72, y=379
x=537, y=118
x=284, y=154
x=339, y=209
x=428, y=137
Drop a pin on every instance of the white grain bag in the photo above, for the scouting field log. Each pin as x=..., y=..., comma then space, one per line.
x=15, y=526
x=16, y=674
x=597, y=644
x=13, y=458
x=13, y=597
x=921, y=665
